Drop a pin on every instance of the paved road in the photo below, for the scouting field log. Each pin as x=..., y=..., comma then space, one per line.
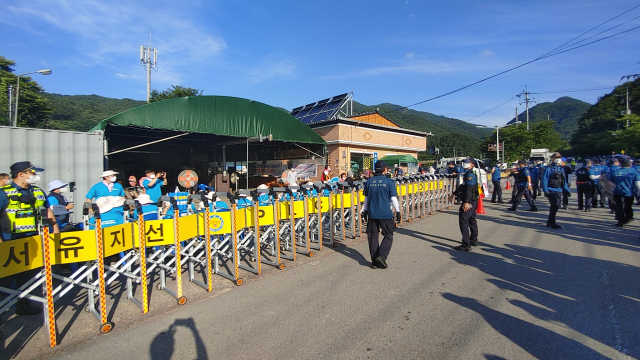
x=525, y=292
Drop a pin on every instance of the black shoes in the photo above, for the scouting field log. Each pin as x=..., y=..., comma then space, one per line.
x=24, y=307
x=381, y=263
x=500, y=202
x=512, y=209
x=533, y=209
x=474, y=243
x=554, y=226
x=463, y=248
x=493, y=201
x=587, y=210
x=580, y=208
x=373, y=265
x=629, y=220
x=619, y=224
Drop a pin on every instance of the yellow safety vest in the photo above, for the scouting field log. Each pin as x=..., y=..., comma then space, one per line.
x=23, y=216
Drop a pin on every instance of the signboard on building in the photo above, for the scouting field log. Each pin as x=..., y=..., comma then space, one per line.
x=289, y=154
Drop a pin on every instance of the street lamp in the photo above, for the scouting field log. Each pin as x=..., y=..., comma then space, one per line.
x=43, y=72
x=498, y=137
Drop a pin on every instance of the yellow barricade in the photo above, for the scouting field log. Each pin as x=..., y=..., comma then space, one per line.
x=71, y=247
x=191, y=226
x=156, y=232
x=313, y=204
x=118, y=238
x=346, y=200
x=220, y=223
x=285, y=210
x=20, y=255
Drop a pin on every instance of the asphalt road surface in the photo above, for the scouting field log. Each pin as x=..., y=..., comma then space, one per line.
x=526, y=292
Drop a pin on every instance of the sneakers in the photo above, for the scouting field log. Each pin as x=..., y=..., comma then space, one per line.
x=463, y=247
x=474, y=243
x=24, y=307
x=373, y=265
x=554, y=226
x=381, y=263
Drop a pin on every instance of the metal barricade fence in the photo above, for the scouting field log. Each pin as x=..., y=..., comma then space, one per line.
x=295, y=220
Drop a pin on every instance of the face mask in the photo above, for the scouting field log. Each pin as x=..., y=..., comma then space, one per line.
x=152, y=176
x=33, y=179
x=7, y=182
x=63, y=190
x=113, y=179
x=466, y=166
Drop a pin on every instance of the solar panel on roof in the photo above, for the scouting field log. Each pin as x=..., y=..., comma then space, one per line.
x=322, y=102
x=296, y=110
x=321, y=111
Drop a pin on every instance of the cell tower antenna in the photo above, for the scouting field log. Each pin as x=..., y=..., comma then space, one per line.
x=149, y=59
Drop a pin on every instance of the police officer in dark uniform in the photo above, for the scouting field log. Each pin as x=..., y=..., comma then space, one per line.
x=554, y=184
x=523, y=182
x=535, y=179
x=584, y=185
x=469, y=195
x=379, y=191
x=568, y=170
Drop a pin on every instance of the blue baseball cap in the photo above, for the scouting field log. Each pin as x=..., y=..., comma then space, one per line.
x=24, y=166
x=380, y=165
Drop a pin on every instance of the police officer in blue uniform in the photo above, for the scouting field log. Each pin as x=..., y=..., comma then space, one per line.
x=568, y=170
x=469, y=195
x=584, y=185
x=554, y=184
x=379, y=191
x=596, y=172
x=523, y=182
x=627, y=179
x=495, y=180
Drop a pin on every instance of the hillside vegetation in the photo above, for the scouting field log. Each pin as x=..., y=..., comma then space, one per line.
x=565, y=113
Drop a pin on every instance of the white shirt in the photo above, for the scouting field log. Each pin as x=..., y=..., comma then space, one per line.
x=292, y=176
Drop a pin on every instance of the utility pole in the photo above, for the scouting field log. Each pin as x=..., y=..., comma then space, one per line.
x=526, y=101
x=516, y=114
x=149, y=59
x=628, y=111
x=10, y=103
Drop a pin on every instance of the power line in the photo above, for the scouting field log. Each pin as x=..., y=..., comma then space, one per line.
x=493, y=108
x=571, y=90
x=551, y=53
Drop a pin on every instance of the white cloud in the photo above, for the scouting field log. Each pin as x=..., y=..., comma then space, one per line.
x=271, y=69
x=106, y=31
x=487, y=53
x=410, y=55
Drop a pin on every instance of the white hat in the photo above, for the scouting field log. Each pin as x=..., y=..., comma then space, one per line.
x=262, y=186
x=104, y=204
x=56, y=184
x=310, y=183
x=117, y=201
x=144, y=199
x=109, y=173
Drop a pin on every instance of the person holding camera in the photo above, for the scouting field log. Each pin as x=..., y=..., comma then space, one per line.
x=379, y=191
x=153, y=184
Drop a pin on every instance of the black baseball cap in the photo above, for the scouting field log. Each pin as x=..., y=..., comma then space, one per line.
x=381, y=165
x=24, y=166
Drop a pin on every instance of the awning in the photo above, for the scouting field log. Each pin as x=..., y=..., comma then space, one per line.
x=398, y=159
x=218, y=115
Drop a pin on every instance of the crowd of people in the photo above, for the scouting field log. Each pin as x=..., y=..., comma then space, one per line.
x=615, y=179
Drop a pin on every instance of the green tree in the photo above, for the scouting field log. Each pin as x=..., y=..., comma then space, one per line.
x=518, y=142
x=33, y=108
x=175, y=91
x=627, y=139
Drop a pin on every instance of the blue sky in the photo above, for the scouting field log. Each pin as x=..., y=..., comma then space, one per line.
x=290, y=53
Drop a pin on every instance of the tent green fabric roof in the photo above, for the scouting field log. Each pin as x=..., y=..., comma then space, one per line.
x=394, y=159
x=219, y=115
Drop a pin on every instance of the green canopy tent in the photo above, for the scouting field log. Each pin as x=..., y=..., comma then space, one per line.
x=399, y=159
x=198, y=131
x=410, y=161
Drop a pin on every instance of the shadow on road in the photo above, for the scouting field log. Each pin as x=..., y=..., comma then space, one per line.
x=164, y=344
x=596, y=298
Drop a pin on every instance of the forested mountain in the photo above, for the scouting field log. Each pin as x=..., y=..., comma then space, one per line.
x=596, y=128
x=449, y=133
x=82, y=112
x=565, y=113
